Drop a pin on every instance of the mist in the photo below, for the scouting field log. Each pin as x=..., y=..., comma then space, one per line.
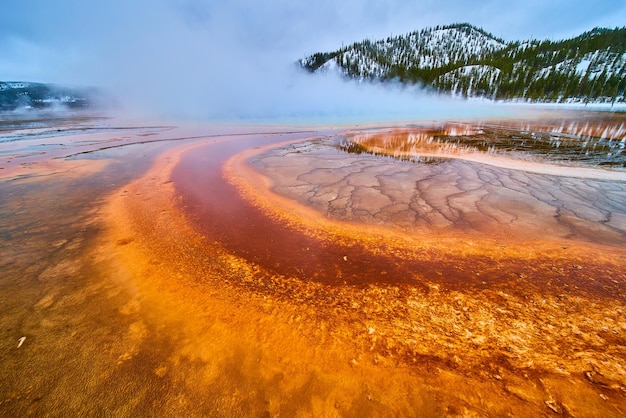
x=230, y=63
x=235, y=60
x=281, y=92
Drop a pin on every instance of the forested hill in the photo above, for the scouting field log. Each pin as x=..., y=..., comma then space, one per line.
x=19, y=95
x=467, y=61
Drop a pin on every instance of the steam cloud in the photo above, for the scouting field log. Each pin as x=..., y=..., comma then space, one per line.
x=226, y=63
x=225, y=60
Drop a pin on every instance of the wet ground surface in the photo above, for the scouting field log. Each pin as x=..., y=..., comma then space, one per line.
x=60, y=326
x=479, y=199
x=588, y=140
x=147, y=272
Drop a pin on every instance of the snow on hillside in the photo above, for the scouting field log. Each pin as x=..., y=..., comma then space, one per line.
x=428, y=48
x=7, y=85
x=464, y=60
x=18, y=95
x=470, y=80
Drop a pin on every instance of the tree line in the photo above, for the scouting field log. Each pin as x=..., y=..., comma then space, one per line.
x=472, y=62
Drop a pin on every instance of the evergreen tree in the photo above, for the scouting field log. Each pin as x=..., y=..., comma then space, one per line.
x=466, y=60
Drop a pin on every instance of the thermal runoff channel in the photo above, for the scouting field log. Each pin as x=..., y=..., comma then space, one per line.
x=246, y=270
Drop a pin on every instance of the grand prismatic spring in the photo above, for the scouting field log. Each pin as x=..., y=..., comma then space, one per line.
x=472, y=268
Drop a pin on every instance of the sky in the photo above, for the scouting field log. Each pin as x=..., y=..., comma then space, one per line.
x=223, y=58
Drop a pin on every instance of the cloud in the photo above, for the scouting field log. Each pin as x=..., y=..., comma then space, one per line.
x=237, y=61
x=223, y=59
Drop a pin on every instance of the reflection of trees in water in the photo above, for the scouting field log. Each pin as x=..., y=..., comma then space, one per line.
x=590, y=144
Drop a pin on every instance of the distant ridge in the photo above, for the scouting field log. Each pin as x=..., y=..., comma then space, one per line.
x=21, y=95
x=467, y=61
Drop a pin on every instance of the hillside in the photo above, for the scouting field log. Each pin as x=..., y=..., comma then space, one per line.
x=26, y=95
x=467, y=61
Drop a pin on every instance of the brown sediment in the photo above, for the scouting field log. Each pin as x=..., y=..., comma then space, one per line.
x=478, y=326
x=40, y=168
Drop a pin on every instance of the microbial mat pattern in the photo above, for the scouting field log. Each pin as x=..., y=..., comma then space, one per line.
x=367, y=271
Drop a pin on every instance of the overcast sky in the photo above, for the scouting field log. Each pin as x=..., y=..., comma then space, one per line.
x=229, y=47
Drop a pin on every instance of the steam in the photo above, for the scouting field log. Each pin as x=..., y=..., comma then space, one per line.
x=223, y=63
x=287, y=93
x=235, y=60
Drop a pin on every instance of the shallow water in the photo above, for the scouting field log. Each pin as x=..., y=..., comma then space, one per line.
x=581, y=140
x=57, y=296
x=445, y=289
x=225, y=216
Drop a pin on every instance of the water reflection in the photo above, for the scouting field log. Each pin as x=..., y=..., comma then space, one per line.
x=127, y=306
x=594, y=143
